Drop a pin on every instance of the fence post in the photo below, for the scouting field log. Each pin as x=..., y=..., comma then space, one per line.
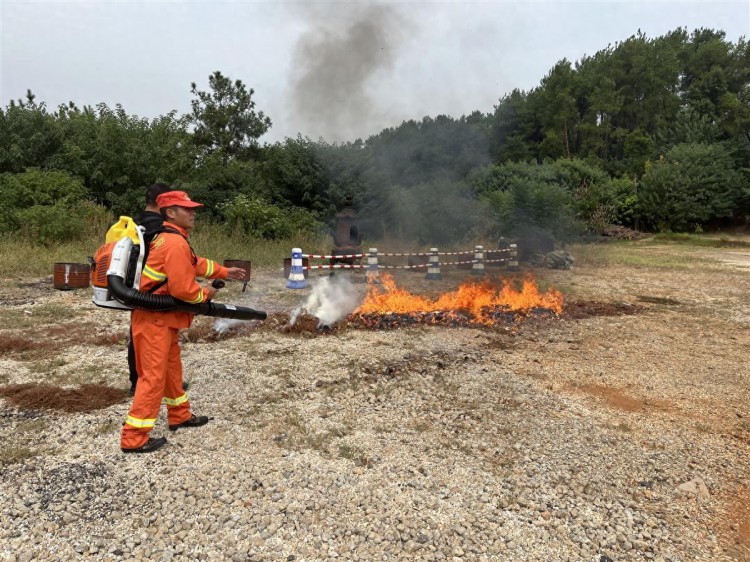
x=478, y=267
x=296, y=275
x=372, y=265
x=433, y=265
x=513, y=261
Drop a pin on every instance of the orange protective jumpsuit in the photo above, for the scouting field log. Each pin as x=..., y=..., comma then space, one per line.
x=155, y=334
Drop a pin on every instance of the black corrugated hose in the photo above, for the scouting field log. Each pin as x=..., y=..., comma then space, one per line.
x=166, y=303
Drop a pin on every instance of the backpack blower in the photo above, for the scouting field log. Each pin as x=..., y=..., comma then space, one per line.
x=116, y=277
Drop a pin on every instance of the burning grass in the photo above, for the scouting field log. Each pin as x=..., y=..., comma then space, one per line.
x=473, y=304
x=479, y=301
x=86, y=398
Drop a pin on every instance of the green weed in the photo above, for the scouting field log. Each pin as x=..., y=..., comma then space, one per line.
x=14, y=454
x=89, y=374
x=106, y=428
x=353, y=454
x=46, y=367
x=32, y=426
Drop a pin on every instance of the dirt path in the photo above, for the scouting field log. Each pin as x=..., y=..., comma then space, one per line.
x=562, y=439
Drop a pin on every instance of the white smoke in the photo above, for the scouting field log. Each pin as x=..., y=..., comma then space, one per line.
x=250, y=299
x=332, y=299
x=223, y=325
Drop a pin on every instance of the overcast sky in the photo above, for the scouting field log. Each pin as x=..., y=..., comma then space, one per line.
x=340, y=70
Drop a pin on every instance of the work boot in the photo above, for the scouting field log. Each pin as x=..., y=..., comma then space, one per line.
x=149, y=446
x=193, y=421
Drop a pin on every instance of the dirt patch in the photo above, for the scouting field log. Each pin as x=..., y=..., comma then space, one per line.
x=86, y=398
x=15, y=301
x=44, y=284
x=657, y=300
x=72, y=334
x=577, y=310
x=309, y=325
x=56, y=338
x=304, y=324
x=15, y=344
x=206, y=331
x=502, y=318
x=619, y=399
x=734, y=524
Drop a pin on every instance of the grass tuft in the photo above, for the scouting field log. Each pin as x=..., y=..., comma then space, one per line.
x=703, y=241
x=19, y=258
x=14, y=454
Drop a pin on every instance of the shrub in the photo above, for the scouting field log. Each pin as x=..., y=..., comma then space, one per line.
x=48, y=224
x=42, y=206
x=36, y=187
x=257, y=218
x=522, y=195
x=693, y=185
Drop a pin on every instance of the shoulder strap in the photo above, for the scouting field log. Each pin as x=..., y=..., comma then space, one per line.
x=169, y=230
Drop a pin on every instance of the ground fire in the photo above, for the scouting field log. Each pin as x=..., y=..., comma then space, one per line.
x=472, y=303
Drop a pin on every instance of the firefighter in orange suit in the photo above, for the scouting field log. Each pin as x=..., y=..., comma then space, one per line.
x=171, y=268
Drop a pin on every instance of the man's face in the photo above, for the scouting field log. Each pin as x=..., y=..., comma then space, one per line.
x=183, y=217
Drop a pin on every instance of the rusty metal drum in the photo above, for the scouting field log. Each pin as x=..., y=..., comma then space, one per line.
x=244, y=264
x=69, y=276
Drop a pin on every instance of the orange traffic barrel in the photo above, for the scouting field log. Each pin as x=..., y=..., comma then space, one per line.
x=69, y=276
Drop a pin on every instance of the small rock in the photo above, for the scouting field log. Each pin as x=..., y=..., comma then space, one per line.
x=695, y=486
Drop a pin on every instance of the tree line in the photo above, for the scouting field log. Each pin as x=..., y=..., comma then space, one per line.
x=652, y=134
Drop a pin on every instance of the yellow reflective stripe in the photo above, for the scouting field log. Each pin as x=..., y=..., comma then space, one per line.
x=176, y=401
x=209, y=268
x=153, y=274
x=138, y=422
x=198, y=299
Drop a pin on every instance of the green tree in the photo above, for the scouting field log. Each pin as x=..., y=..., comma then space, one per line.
x=559, y=116
x=512, y=133
x=29, y=135
x=115, y=153
x=225, y=118
x=296, y=174
x=693, y=185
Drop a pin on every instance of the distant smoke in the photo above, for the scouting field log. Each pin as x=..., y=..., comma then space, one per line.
x=334, y=62
x=332, y=299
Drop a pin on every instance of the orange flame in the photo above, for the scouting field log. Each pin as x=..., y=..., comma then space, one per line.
x=476, y=298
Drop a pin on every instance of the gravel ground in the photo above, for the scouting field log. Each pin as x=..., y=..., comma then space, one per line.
x=562, y=440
